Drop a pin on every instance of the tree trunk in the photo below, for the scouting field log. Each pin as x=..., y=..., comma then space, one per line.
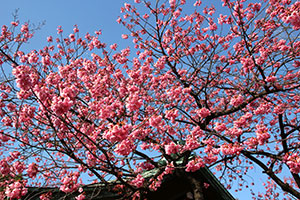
x=197, y=188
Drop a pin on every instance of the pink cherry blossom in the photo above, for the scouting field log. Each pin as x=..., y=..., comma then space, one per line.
x=61, y=106
x=80, y=197
x=124, y=148
x=138, y=181
x=262, y=134
x=124, y=36
x=203, y=87
x=70, y=183
x=236, y=101
x=203, y=112
x=172, y=3
x=172, y=148
x=294, y=19
x=15, y=190
x=194, y=165
x=32, y=170
x=293, y=161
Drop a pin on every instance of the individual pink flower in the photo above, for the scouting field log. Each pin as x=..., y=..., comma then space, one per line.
x=70, y=182
x=234, y=132
x=75, y=29
x=133, y=102
x=172, y=3
x=293, y=161
x=271, y=79
x=14, y=23
x=59, y=30
x=172, y=148
x=198, y=3
x=72, y=37
x=279, y=109
x=169, y=168
x=220, y=127
x=25, y=28
x=176, y=14
x=49, y=39
x=80, y=197
x=124, y=36
x=32, y=170
x=251, y=143
x=113, y=46
x=231, y=149
x=197, y=132
x=46, y=60
x=11, y=107
x=194, y=165
x=262, y=109
x=18, y=167
x=160, y=64
x=203, y=112
x=145, y=166
x=262, y=134
x=119, y=20
x=244, y=121
x=146, y=16
x=294, y=19
x=4, y=167
x=155, y=121
x=15, y=190
x=236, y=101
x=60, y=106
x=25, y=77
x=191, y=143
x=124, y=148
x=117, y=133
x=296, y=63
x=138, y=181
x=46, y=196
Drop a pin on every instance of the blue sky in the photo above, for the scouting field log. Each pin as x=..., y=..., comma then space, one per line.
x=89, y=15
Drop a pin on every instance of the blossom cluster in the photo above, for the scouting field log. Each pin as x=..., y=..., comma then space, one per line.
x=198, y=88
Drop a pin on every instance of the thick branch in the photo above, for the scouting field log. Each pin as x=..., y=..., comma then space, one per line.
x=285, y=146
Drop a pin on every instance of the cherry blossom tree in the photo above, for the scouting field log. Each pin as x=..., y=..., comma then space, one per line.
x=207, y=87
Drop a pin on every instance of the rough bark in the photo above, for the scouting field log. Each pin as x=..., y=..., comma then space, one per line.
x=197, y=188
